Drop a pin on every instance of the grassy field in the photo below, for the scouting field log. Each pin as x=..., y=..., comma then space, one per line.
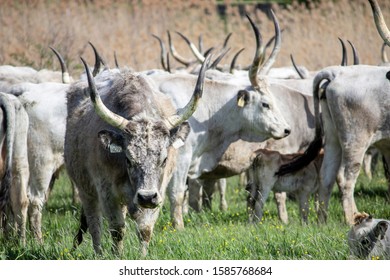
x=30, y=27
x=209, y=235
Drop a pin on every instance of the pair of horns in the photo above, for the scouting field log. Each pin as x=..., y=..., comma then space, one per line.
x=172, y=121
x=259, y=58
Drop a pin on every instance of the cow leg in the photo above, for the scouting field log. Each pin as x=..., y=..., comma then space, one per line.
x=221, y=185
x=94, y=222
x=113, y=211
x=35, y=214
x=195, y=194
x=385, y=160
x=19, y=199
x=208, y=192
x=40, y=180
x=304, y=206
x=176, y=189
x=243, y=179
x=280, y=199
x=251, y=188
x=367, y=165
x=328, y=173
x=82, y=229
x=346, y=179
x=260, y=202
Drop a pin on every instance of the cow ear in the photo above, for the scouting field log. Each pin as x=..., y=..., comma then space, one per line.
x=111, y=141
x=243, y=97
x=380, y=229
x=179, y=135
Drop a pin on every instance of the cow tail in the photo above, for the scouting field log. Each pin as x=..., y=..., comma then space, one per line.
x=316, y=145
x=6, y=178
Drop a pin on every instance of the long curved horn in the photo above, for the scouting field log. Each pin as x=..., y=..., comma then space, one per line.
x=383, y=54
x=233, y=63
x=344, y=59
x=227, y=40
x=116, y=60
x=168, y=64
x=356, y=60
x=174, y=53
x=380, y=22
x=301, y=75
x=101, y=110
x=218, y=59
x=183, y=114
x=200, y=43
x=98, y=61
x=259, y=56
x=278, y=42
x=208, y=51
x=163, y=52
x=270, y=41
x=193, y=48
x=64, y=69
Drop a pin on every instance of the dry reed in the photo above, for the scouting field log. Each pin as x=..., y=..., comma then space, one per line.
x=30, y=27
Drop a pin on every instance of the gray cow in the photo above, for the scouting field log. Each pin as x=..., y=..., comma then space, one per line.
x=120, y=150
x=355, y=105
x=263, y=180
x=369, y=238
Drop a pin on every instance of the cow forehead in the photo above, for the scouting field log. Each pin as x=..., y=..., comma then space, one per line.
x=146, y=138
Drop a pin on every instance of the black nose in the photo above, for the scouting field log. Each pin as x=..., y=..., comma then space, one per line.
x=148, y=200
x=287, y=131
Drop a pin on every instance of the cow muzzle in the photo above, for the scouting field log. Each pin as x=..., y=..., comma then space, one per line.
x=281, y=134
x=148, y=199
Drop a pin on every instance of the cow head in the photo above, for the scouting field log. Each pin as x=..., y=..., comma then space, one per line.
x=146, y=141
x=365, y=234
x=257, y=102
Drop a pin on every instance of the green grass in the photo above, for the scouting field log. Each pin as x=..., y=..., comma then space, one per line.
x=209, y=235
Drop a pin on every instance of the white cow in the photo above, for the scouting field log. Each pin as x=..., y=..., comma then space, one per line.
x=230, y=110
x=45, y=105
x=14, y=169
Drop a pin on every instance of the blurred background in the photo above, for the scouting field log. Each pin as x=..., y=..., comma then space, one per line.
x=311, y=29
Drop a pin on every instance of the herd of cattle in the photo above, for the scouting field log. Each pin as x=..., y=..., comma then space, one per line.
x=128, y=138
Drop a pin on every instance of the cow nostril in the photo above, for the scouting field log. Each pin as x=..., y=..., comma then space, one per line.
x=148, y=200
x=287, y=131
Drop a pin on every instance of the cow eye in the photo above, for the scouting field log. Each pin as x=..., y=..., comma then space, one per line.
x=265, y=105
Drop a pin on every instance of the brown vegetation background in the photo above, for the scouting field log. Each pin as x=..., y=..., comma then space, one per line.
x=28, y=28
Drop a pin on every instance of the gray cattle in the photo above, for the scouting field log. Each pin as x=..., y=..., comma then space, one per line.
x=120, y=150
x=355, y=107
x=369, y=238
x=262, y=180
x=14, y=170
x=231, y=109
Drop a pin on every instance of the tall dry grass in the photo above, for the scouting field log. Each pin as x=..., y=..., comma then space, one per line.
x=29, y=27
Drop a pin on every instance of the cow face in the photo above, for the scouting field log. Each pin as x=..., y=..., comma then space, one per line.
x=146, y=144
x=261, y=113
x=366, y=234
